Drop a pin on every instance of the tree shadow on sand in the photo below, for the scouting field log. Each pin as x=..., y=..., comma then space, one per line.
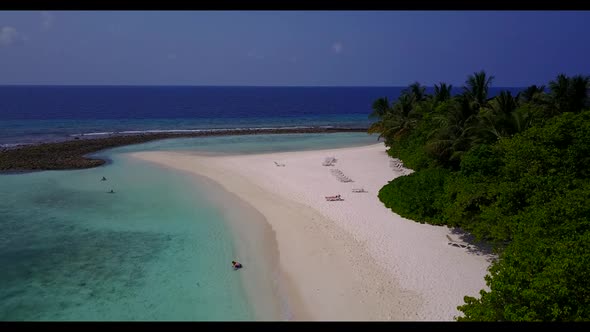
x=469, y=242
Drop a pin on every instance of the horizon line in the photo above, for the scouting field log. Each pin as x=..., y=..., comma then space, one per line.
x=235, y=86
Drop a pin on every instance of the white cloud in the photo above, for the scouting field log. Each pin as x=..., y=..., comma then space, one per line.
x=47, y=20
x=8, y=35
x=337, y=47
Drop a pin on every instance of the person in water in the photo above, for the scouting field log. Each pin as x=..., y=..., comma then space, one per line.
x=236, y=265
x=112, y=191
x=103, y=179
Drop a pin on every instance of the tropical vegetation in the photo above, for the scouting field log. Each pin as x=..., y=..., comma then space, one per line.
x=514, y=171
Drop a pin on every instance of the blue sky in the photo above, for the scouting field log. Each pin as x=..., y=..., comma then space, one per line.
x=297, y=48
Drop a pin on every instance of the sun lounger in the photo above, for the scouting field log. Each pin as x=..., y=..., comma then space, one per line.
x=329, y=161
x=396, y=164
x=359, y=190
x=457, y=244
x=279, y=165
x=340, y=176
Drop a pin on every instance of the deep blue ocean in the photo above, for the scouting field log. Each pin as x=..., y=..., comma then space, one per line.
x=31, y=114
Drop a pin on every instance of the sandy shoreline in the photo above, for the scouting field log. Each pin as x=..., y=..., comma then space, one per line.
x=344, y=260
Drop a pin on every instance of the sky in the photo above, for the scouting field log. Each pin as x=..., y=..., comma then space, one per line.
x=291, y=48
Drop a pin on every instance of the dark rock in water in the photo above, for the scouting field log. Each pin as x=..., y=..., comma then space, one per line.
x=71, y=154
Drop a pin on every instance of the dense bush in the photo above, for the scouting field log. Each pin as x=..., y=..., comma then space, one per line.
x=414, y=196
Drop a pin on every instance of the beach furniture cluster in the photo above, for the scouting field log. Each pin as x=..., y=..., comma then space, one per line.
x=329, y=161
x=334, y=198
x=340, y=176
x=457, y=244
x=279, y=164
x=396, y=165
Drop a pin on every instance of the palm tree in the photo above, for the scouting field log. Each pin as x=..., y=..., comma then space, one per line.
x=521, y=120
x=416, y=91
x=503, y=103
x=395, y=120
x=559, y=92
x=456, y=133
x=442, y=92
x=477, y=87
x=404, y=105
x=392, y=126
x=381, y=111
x=380, y=107
x=502, y=119
x=531, y=93
x=579, y=92
x=378, y=127
x=569, y=94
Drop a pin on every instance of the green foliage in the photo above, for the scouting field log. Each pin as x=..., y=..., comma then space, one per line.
x=482, y=159
x=513, y=171
x=455, y=132
x=477, y=87
x=413, y=196
x=442, y=92
x=531, y=93
x=410, y=148
x=542, y=274
x=569, y=94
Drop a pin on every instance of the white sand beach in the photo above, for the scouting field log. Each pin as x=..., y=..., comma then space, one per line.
x=344, y=260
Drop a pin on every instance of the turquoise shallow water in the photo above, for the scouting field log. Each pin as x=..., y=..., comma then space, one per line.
x=157, y=249
x=248, y=144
